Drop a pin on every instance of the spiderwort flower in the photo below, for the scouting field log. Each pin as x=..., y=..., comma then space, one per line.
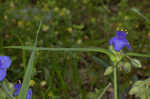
x=17, y=90
x=5, y=63
x=119, y=41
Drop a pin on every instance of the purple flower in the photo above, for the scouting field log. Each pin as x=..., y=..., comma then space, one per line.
x=17, y=90
x=29, y=94
x=5, y=63
x=119, y=41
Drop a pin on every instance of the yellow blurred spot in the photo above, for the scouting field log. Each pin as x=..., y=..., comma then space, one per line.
x=130, y=82
x=19, y=81
x=79, y=41
x=43, y=83
x=50, y=94
x=105, y=6
x=85, y=1
x=119, y=24
x=32, y=83
x=56, y=9
x=46, y=8
x=137, y=25
x=10, y=85
x=37, y=18
x=126, y=31
x=62, y=13
x=13, y=20
x=126, y=17
x=69, y=29
x=149, y=34
x=56, y=32
x=45, y=27
x=5, y=17
x=93, y=20
x=12, y=5
x=20, y=23
x=118, y=29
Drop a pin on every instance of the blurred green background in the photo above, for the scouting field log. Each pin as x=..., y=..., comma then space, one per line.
x=73, y=23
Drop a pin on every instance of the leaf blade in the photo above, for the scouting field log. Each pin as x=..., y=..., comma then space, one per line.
x=28, y=73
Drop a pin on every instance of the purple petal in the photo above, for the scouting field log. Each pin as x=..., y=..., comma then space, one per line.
x=17, y=90
x=16, y=93
x=119, y=43
x=5, y=62
x=2, y=74
x=17, y=86
x=29, y=94
x=121, y=34
x=112, y=40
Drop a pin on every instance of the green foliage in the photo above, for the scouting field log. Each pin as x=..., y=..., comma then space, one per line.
x=127, y=67
x=98, y=94
x=29, y=70
x=108, y=70
x=136, y=63
x=141, y=89
x=85, y=24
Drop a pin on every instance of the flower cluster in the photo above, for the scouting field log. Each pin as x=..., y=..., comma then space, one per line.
x=17, y=90
x=5, y=63
x=119, y=41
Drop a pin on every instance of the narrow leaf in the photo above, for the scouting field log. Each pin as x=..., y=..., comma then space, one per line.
x=140, y=14
x=136, y=63
x=138, y=55
x=103, y=92
x=105, y=51
x=108, y=70
x=28, y=73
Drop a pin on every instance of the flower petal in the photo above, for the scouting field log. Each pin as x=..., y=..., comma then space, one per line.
x=17, y=86
x=29, y=94
x=16, y=93
x=17, y=90
x=5, y=62
x=119, y=41
x=121, y=34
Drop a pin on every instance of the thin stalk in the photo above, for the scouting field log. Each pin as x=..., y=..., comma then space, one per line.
x=103, y=92
x=115, y=83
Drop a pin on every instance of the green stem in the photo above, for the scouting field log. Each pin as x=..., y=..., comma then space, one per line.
x=115, y=83
x=103, y=92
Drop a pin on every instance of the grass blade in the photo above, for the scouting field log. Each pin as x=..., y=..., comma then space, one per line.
x=140, y=14
x=105, y=51
x=100, y=61
x=103, y=92
x=28, y=73
x=138, y=55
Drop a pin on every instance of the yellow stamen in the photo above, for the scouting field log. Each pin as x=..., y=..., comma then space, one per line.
x=121, y=29
x=126, y=31
x=19, y=81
